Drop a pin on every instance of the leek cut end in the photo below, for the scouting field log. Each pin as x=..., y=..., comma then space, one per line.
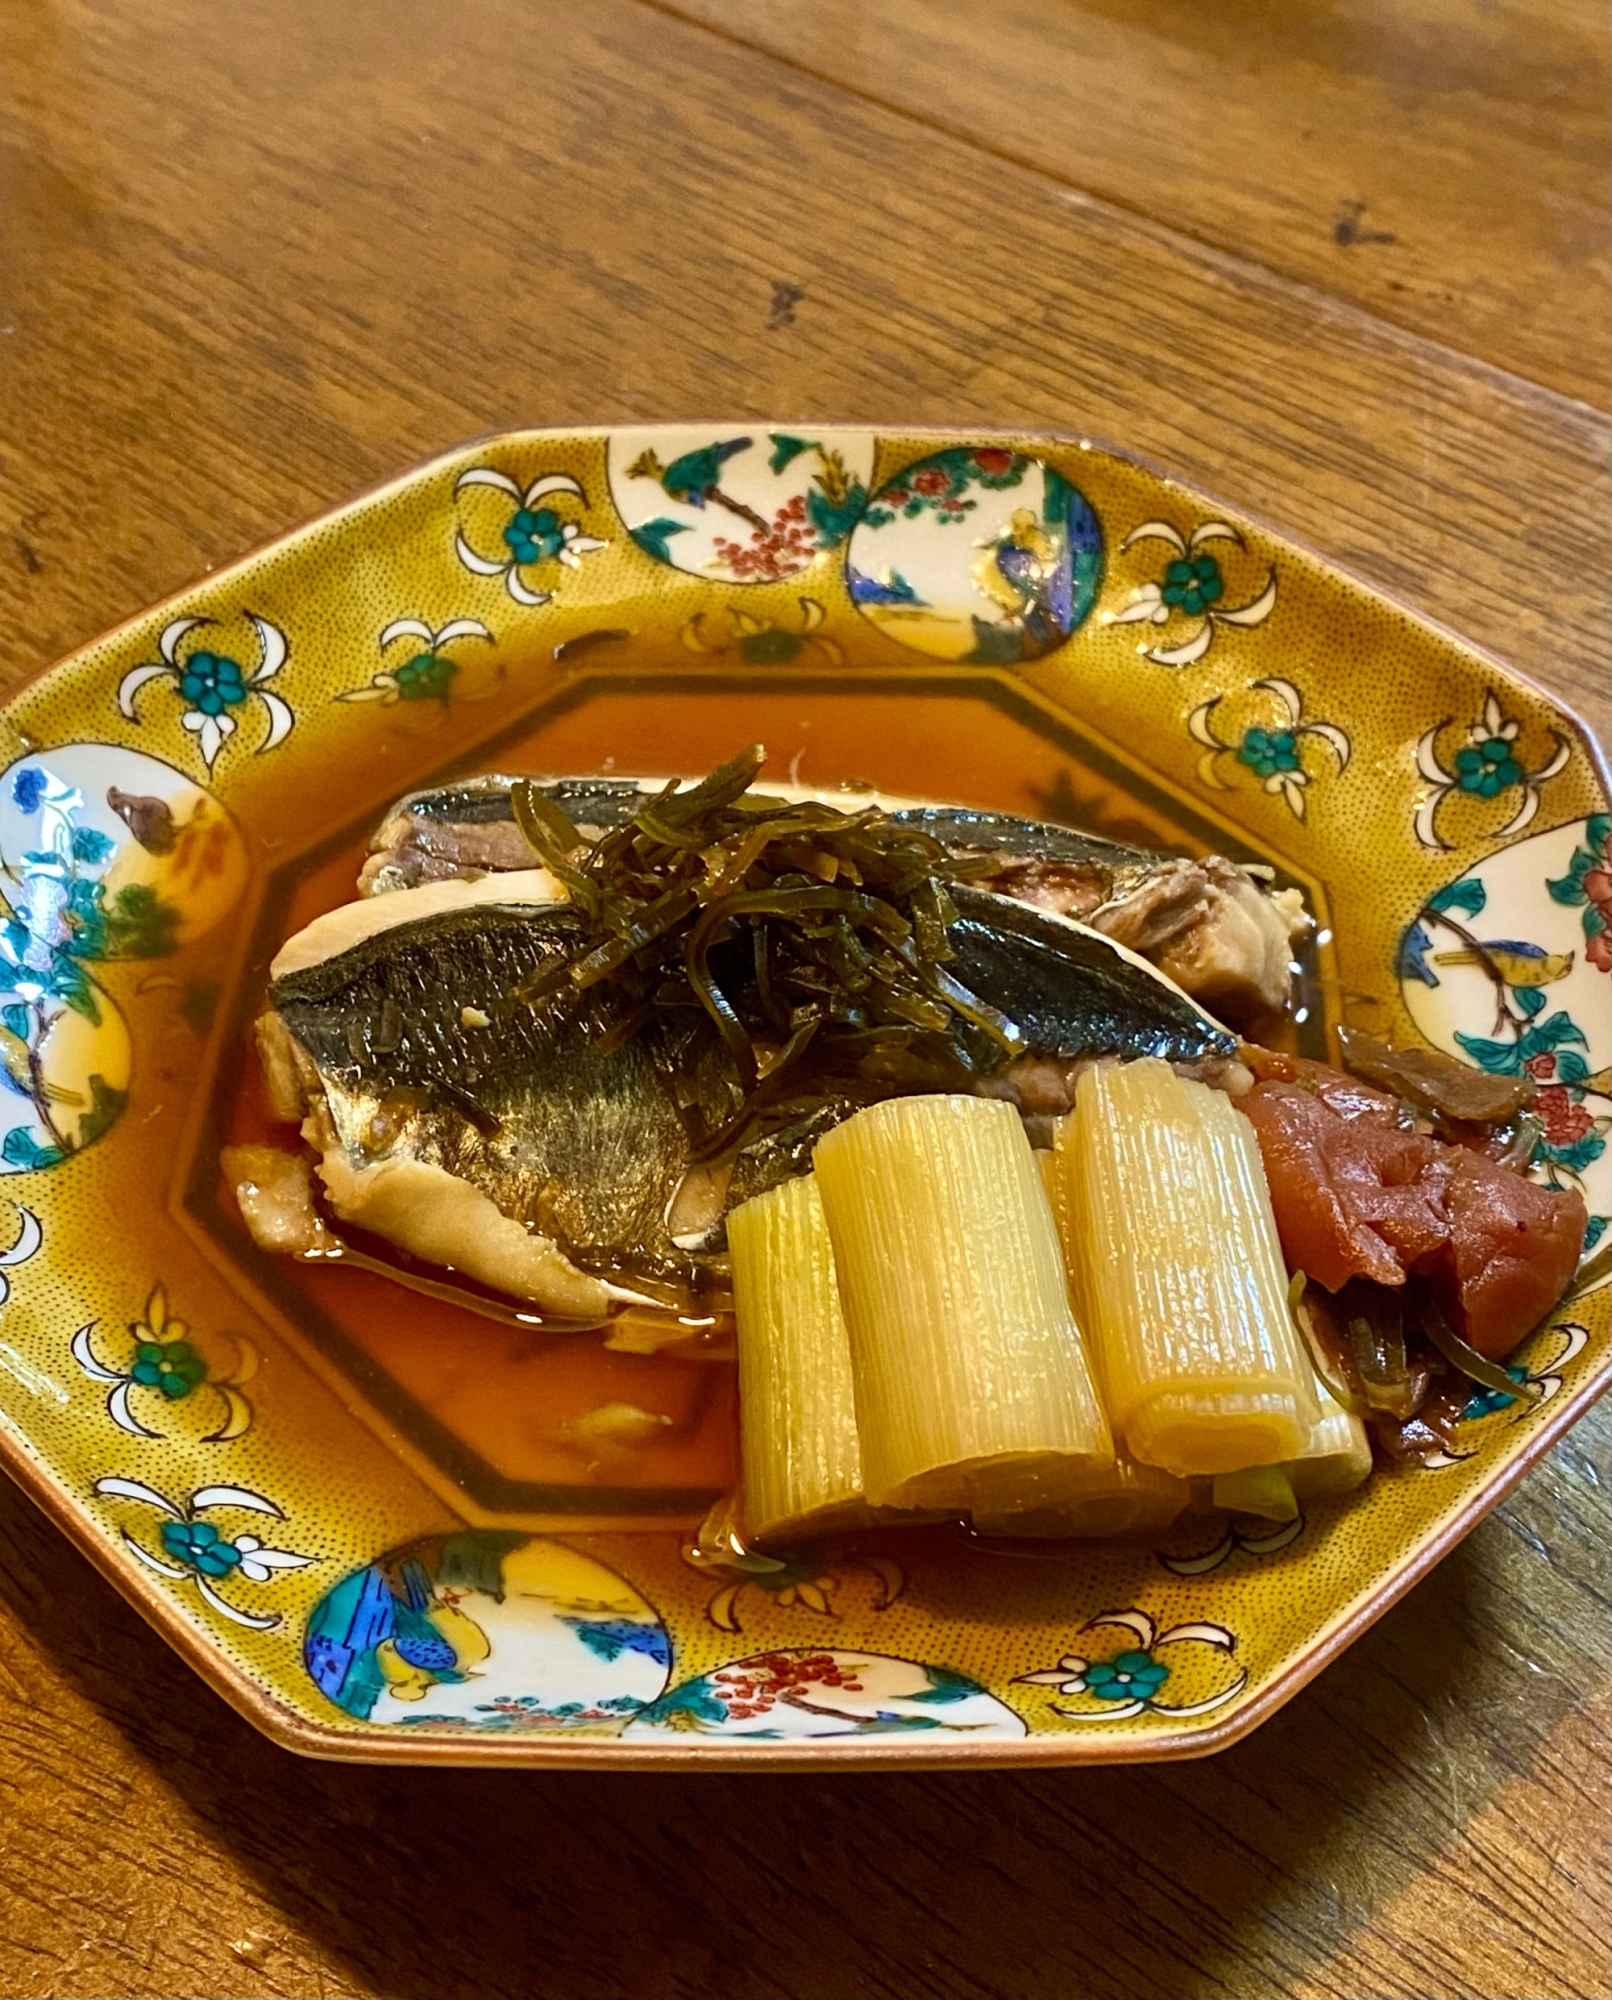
x=1195, y=1435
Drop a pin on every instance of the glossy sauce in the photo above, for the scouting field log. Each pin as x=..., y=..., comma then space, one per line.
x=514, y=1396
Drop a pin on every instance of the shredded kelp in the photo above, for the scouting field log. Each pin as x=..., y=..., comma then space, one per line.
x=1467, y=1360
x=1435, y=1084
x=814, y=940
x=1392, y=1357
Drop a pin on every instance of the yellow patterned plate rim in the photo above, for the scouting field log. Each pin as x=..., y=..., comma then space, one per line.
x=1263, y=680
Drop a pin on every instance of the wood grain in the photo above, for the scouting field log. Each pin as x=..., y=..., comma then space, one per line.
x=1428, y=1820
x=1333, y=143
x=251, y=259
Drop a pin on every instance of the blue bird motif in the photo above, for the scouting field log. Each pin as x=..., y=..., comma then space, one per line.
x=1518, y=962
x=694, y=478
x=1030, y=575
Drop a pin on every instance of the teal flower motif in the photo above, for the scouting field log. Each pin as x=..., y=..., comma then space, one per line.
x=762, y=642
x=1269, y=751
x=165, y=1361
x=770, y=648
x=212, y=682
x=799, y=1578
x=534, y=537
x=1132, y=1676
x=1487, y=768
x=1129, y=1683
x=1193, y=586
x=1484, y=1402
x=195, y=1552
x=173, y=1366
x=428, y=673
x=1273, y=754
x=200, y=1545
x=213, y=685
x=427, y=677
x=532, y=534
x=1192, y=583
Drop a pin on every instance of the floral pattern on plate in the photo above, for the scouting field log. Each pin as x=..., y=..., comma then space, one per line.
x=977, y=555
x=25, y=1244
x=734, y=633
x=745, y=506
x=214, y=685
x=107, y=854
x=196, y=1551
x=424, y=663
x=1538, y=1373
x=163, y=1360
x=1240, y=1534
x=1196, y=1661
x=1190, y=593
x=126, y=883
x=804, y=1576
x=526, y=528
x=487, y=1629
x=788, y=1695
x=1487, y=765
x=1274, y=752
x=1500, y=967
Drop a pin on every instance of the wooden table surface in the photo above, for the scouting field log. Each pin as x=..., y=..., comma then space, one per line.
x=1341, y=261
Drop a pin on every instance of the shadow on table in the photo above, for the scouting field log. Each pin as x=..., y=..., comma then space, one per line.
x=1245, y=1873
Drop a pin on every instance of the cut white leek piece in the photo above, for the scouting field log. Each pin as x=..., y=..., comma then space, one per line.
x=1169, y=1220
x=797, y=1410
x=1336, y=1460
x=1121, y=1499
x=972, y=1385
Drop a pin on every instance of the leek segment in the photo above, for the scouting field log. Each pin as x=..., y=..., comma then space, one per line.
x=1337, y=1459
x=973, y=1391
x=1168, y=1221
x=798, y=1435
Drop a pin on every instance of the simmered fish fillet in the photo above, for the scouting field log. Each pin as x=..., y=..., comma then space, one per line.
x=501, y=1138
x=1218, y=931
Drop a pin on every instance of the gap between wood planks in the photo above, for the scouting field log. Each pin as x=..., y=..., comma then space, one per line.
x=1185, y=241
x=1407, y=104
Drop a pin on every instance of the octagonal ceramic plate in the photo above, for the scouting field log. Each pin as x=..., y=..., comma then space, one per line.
x=373, y=1530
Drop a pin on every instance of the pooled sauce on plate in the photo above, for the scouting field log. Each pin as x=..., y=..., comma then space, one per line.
x=524, y=1405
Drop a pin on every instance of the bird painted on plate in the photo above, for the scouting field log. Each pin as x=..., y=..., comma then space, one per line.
x=693, y=477
x=17, y=1057
x=19, y=1063
x=432, y=1640
x=1517, y=964
x=150, y=820
x=1027, y=573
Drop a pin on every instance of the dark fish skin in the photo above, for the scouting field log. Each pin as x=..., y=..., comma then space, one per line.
x=1071, y=992
x=609, y=802
x=584, y=1147
x=601, y=802
x=588, y=1147
x=960, y=829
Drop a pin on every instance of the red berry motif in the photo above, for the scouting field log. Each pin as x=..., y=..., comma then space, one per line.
x=778, y=552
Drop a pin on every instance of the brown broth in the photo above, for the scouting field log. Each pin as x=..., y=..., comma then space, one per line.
x=511, y=1394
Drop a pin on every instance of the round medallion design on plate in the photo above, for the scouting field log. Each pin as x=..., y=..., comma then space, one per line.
x=106, y=854
x=977, y=554
x=738, y=505
x=802, y=1692
x=488, y=1629
x=1507, y=967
